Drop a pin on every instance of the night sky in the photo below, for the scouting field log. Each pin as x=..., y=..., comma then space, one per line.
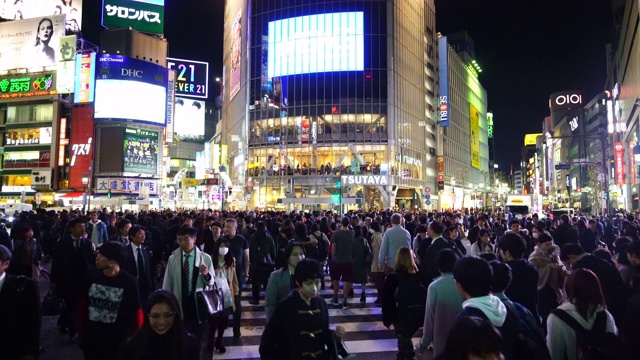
x=527, y=49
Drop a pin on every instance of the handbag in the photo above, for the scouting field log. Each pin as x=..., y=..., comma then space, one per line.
x=52, y=304
x=211, y=301
x=265, y=259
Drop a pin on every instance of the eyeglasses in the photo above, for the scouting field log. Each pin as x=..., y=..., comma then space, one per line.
x=166, y=316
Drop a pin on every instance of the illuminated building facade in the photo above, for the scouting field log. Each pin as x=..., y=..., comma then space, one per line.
x=329, y=92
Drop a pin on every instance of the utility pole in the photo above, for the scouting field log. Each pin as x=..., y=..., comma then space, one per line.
x=605, y=171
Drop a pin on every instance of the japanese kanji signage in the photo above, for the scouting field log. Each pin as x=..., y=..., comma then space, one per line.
x=85, y=82
x=80, y=145
x=192, y=77
x=125, y=186
x=142, y=15
x=27, y=85
x=619, y=162
x=41, y=178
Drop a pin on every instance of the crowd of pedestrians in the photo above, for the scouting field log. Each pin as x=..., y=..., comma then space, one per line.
x=479, y=285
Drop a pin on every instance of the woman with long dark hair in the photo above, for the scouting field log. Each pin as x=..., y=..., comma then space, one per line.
x=585, y=306
x=472, y=338
x=163, y=335
x=224, y=267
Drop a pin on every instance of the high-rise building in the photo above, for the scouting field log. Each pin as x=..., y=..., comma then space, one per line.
x=327, y=102
x=464, y=144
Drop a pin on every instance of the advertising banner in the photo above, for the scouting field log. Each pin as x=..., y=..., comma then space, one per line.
x=192, y=77
x=443, y=76
x=85, y=81
x=129, y=89
x=30, y=43
x=41, y=178
x=27, y=85
x=490, y=125
x=189, y=119
x=143, y=15
x=531, y=139
x=633, y=166
x=304, y=126
x=265, y=81
x=316, y=43
x=140, y=151
x=29, y=9
x=565, y=100
x=236, y=56
x=474, y=120
x=80, y=145
x=125, y=186
x=171, y=100
x=619, y=162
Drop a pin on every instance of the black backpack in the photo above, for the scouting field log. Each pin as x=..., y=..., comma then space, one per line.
x=596, y=343
x=411, y=298
x=531, y=342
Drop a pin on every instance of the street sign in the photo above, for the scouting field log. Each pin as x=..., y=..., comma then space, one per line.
x=563, y=166
x=422, y=196
x=428, y=202
x=38, y=197
x=441, y=177
x=428, y=197
x=427, y=189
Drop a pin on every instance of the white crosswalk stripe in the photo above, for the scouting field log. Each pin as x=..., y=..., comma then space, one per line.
x=366, y=336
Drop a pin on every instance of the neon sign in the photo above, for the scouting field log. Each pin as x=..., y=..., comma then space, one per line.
x=26, y=86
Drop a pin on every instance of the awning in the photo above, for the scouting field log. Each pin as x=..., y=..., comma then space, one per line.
x=73, y=194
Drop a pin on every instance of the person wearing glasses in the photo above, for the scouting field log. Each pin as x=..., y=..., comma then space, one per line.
x=163, y=335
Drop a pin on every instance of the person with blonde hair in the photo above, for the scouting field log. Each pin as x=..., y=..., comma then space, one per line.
x=403, y=301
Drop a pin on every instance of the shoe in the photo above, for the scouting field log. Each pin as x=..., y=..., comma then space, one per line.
x=236, y=334
x=254, y=302
x=344, y=305
x=363, y=298
x=351, y=294
x=335, y=301
x=221, y=349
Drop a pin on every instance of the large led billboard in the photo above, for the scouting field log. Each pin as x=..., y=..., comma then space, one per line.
x=30, y=43
x=189, y=119
x=143, y=15
x=192, y=77
x=316, y=43
x=29, y=9
x=129, y=89
x=140, y=151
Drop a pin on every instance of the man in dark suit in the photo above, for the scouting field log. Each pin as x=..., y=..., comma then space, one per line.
x=72, y=259
x=428, y=265
x=20, y=318
x=123, y=227
x=137, y=262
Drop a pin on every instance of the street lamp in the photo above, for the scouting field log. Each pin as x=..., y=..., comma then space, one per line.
x=85, y=182
x=453, y=190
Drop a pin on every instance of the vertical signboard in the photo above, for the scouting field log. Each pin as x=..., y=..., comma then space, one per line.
x=490, y=125
x=142, y=15
x=443, y=75
x=474, y=121
x=31, y=43
x=171, y=98
x=236, y=56
x=80, y=145
x=66, y=65
x=619, y=162
x=632, y=166
x=85, y=81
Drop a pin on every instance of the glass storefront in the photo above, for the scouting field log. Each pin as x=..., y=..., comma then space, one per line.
x=29, y=113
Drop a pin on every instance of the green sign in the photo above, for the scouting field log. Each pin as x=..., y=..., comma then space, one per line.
x=17, y=86
x=142, y=15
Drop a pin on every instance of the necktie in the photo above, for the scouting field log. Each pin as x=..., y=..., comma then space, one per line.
x=77, y=244
x=140, y=264
x=185, y=275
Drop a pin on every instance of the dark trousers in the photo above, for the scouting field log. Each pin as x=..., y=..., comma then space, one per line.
x=378, y=281
x=259, y=279
x=190, y=316
x=405, y=347
x=237, y=315
x=67, y=315
x=216, y=330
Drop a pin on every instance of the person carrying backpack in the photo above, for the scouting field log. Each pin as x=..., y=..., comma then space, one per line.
x=403, y=301
x=581, y=328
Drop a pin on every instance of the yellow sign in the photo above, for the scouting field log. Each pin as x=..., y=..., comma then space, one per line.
x=190, y=182
x=530, y=139
x=474, y=118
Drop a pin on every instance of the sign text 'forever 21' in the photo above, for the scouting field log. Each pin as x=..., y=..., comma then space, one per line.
x=192, y=77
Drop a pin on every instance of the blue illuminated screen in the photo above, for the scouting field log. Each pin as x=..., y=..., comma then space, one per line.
x=316, y=43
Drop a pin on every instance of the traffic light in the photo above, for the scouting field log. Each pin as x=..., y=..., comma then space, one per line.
x=606, y=196
x=336, y=198
x=109, y=194
x=338, y=184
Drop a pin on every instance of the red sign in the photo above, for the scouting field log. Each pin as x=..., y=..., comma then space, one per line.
x=440, y=177
x=305, y=129
x=619, y=162
x=633, y=166
x=81, y=145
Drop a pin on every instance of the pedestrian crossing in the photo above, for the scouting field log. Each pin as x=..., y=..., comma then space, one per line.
x=366, y=337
